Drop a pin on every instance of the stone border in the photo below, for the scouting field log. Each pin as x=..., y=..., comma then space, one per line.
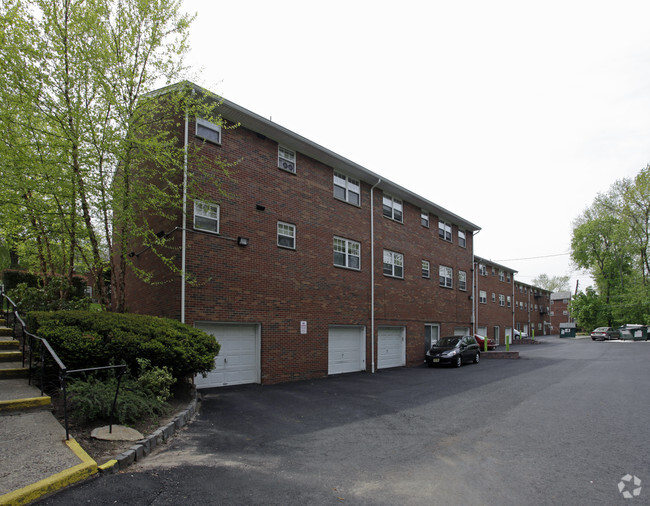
x=145, y=446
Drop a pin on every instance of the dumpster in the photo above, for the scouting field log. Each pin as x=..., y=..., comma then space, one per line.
x=567, y=329
x=633, y=332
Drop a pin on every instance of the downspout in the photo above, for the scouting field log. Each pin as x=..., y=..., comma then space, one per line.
x=474, y=288
x=372, y=275
x=184, y=228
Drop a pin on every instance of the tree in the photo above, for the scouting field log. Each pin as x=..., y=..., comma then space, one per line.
x=76, y=104
x=552, y=283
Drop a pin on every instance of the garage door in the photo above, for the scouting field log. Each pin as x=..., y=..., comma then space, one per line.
x=346, y=349
x=238, y=361
x=391, y=347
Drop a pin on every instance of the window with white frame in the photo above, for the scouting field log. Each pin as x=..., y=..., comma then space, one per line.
x=347, y=253
x=494, y=297
x=444, y=230
x=502, y=300
x=502, y=275
x=482, y=270
x=446, y=276
x=286, y=159
x=393, y=264
x=424, y=218
x=509, y=301
x=208, y=131
x=462, y=240
x=392, y=208
x=507, y=277
x=206, y=216
x=346, y=188
x=286, y=235
x=462, y=280
x=482, y=297
x=426, y=269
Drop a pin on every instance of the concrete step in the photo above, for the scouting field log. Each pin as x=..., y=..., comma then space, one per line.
x=25, y=404
x=5, y=331
x=13, y=370
x=8, y=344
x=10, y=356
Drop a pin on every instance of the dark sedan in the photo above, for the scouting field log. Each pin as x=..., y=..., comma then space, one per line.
x=454, y=350
x=602, y=333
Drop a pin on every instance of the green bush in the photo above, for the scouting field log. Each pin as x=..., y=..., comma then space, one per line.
x=85, y=339
x=11, y=278
x=91, y=399
x=48, y=298
x=155, y=380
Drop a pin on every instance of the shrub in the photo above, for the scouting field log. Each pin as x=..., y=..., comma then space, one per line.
x=48, y=298
x=155, y=380
x=85, y=339
x=91, y=399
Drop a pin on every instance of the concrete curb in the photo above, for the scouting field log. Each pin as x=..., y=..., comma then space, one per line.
x=28, y=403
x=145, y=446
x=87, y=468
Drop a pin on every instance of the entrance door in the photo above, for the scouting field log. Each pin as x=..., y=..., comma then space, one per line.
x=495, y=334
x=431, y=335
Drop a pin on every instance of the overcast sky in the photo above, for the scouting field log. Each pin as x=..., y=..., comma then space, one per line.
x=511, y=114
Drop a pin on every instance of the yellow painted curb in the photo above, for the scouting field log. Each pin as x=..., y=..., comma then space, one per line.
x=28, y=402
x=107, y=465
x=87, y=468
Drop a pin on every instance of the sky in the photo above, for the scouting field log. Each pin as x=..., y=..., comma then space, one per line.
x=511, y=114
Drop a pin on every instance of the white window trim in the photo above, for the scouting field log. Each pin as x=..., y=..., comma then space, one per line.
x=347, y=253
x=462, y=278
x=348, y=182
x=293, y=228
x=426, y=269
x=204, y=123
x=446, y=229
x=424, y=216
x=447, y=273
x=393, y=201
x=209, y=214
x=393, y=257
x=287, y=159
x=463, y=235
x=482, y=296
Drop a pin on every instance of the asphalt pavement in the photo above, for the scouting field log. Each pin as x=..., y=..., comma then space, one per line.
x=565, y=424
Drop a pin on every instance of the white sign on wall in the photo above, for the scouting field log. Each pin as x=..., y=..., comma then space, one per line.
x=303, y=327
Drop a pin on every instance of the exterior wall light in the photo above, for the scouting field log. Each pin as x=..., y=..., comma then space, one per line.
x=242, y=241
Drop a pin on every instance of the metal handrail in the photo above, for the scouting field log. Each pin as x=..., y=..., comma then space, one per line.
x=45, y=346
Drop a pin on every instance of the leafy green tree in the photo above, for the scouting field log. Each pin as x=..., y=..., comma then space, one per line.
x=552, y=283
x=88, y=149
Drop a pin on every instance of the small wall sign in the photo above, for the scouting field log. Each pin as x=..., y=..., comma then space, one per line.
x=303, y=327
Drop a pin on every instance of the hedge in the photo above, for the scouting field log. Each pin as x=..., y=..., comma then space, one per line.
x=11, y=278
x=85, y=339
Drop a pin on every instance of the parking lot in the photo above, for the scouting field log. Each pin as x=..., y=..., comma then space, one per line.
x=562, y=425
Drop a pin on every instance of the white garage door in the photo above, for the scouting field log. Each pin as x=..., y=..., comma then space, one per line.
x=391, y=347
x=238, y=361
x=347, y=349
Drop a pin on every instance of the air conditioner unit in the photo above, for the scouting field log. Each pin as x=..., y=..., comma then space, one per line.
x=287, y=165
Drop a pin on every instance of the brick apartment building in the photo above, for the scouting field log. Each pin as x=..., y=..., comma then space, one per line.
x=313, y=266
x=560, y=310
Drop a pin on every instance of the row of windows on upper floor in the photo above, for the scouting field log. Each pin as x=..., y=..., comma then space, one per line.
x=503, y=275
x=506, y=300
x=346, y=188
x=347, y=253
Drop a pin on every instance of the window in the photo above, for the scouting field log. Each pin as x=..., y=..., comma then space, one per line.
x=426, y=269
x=393, y=208
x=502, y=275
x=502, y=300
x=424, y=218
x=346, y=188
x=507, y=277
x=347, y=253
x=446, y=277
x=444, y=230
x=206, y=216
x=509, y=301
x=482, y=269
x=462, y=241
x=393, y=264
x=482, y=297
x=286, y=235
x=286, y=159
x=462, y=280
x=208, y=131
x=494, y=297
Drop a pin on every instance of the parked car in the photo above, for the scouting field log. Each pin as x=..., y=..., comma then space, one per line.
x=454, y=350
x=481, y=342
x=518, y=335
x=602, y=333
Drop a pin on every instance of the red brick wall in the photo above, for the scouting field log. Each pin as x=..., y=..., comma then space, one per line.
x=278, y=288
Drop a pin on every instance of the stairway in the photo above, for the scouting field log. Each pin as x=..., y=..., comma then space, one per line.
x=16, y=394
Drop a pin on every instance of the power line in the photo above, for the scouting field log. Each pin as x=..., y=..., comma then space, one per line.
x=534, y=258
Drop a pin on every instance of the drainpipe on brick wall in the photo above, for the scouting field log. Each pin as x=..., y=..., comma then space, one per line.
x=184, y=233
x=372, y=275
